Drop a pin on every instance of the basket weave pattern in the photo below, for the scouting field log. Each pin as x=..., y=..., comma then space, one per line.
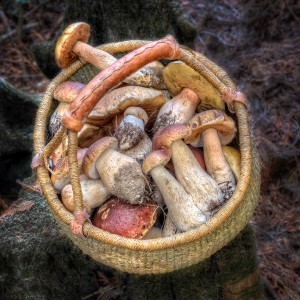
x=164, y=254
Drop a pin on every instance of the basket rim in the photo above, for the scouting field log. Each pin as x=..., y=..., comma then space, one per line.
x=163, y=243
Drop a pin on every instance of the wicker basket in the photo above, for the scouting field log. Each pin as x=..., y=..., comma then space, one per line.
x=160, y=255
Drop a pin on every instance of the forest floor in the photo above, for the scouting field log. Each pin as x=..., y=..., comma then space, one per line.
x=258, y=44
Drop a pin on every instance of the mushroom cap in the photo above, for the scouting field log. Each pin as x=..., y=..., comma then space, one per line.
x=124, y=219
x=68, y=91
x=177, y=75
x=119, y=99
x=94, y=152
x=169, y=134
x=156, y=158
x=233, y=158
x=137, y=112
x=211, y=119
x=75, y=32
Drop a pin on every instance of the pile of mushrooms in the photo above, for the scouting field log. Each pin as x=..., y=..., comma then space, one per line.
x=153, y=154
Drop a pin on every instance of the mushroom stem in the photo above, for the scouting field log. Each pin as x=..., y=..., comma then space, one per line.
x=203, y=190
x=182, y=210
x=132, y=128
x=216, y=164
x=101, y=60
x=141, y=150
x=122, y=175
x=178, y=110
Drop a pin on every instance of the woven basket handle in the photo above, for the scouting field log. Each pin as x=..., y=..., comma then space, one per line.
x=80, y=108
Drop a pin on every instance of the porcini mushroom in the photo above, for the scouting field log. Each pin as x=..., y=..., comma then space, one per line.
x=177, y=75
x=94, y=193
x=181, y=208
x=178, y=110
x=211, y=129
x=203, y=190
x=119, y=217
x=132, y=127
x=116, y=102
x=73, y=43
x=122, y=175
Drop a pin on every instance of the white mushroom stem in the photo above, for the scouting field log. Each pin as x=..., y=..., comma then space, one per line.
x=101, y=60
x=94, y=193
x=132, y=128
x=216, y=164
x=169, y=227
x=178, y=110
x=203, y=190
x=122, y=175
x=181, y=208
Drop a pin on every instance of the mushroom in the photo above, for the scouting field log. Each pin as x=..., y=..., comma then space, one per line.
x=73, y=43
x=94, y=193
x=233, y=158
x=119, y=217
x=211, y=129
x=116, y=102
x=181, y=208
x=178, y=110
x=122, y=175
x=60, y=176
x=177, y=75
x=132, y=127
x=203, y=190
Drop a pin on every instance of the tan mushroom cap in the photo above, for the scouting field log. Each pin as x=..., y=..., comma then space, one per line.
x=73, y=33
x=119, y=99
x=156, y=158
x=124, y=219
x=177, y=75
x=166, y=136
x=233, y=158
x=211, y=119
x=94, y=152
x=68, y=91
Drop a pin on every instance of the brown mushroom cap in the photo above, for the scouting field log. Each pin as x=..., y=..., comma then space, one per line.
x=177, y=75
x=156, y=158
x=73, y=33
x=94, y=152
x=124, y=219
x=119, y=99
x=169, y=134
x=68, y=91
x=211, y=119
